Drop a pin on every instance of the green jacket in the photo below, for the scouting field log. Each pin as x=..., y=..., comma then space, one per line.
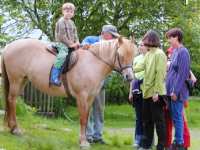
x=154, y=66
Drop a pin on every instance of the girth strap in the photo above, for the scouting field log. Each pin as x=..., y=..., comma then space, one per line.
x=65, y=84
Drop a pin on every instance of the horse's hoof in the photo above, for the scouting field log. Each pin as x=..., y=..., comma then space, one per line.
x=16, y=131
x=85, y=145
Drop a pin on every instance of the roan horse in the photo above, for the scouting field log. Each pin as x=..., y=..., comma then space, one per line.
x=27, y=59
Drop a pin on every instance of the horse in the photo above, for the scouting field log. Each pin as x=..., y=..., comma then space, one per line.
x=28, y=60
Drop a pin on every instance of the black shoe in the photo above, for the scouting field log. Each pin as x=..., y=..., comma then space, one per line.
x=160, y=147
x=176, y=146
x=99, y=141
x=91, y=141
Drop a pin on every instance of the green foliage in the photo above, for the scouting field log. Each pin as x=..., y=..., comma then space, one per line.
x=196, y=70
x=117, y=89
x=1, y=100
x=23, y=109
x=130, y=16
x=59, y=106
x=60, y=134
x=193, y=112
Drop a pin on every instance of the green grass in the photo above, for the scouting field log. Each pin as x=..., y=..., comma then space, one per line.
x=41, y=133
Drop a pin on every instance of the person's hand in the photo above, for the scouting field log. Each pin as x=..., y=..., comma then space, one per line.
x=173, y=96
x=75, y=45
x=86, y=46
x=193, y=78
x=72, y=45
x=130, y=97
x=185, y=104
x=155, y=97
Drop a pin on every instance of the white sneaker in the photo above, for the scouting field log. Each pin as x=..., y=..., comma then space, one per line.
x=144, y=148
x=135, y=145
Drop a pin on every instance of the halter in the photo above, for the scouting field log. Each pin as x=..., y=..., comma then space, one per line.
x=121, y=67
x=116, y=58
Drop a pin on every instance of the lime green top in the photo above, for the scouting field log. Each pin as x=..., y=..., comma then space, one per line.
x=138, y=60
x=154, y=67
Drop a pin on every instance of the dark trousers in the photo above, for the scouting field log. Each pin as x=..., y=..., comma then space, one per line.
x=153, y=114
x=138, y=101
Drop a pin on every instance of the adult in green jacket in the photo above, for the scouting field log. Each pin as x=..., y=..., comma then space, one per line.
x=153, y=88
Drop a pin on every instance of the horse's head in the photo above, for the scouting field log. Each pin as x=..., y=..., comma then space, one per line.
x=124, y=58
x=117, y=54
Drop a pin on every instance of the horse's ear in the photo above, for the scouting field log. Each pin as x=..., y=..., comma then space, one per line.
x=120, y=40
x=132, y=38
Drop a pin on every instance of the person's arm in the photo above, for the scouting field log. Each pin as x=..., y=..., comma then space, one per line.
x=76, y=34
x=160, y=72
x=61, y=34
x=130, y=98
x=192, y=77
x=139, y=66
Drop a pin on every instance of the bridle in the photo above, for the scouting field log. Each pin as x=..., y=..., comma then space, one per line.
x=120, y=67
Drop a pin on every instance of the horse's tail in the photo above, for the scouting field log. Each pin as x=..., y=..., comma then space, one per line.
x=5, y=87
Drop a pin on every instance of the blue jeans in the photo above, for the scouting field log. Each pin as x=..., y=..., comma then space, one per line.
x=136, y=85
x=95, y=124
x=138, y=99
x=176, y=110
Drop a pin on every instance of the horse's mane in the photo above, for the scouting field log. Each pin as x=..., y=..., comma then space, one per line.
x=108, y=49
x=103, y=46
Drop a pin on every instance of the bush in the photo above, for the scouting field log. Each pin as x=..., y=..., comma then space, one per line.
x=59, y=106
x=196, y=70
x=23, y=109
x=1, y=104
x=1, y=99
x=117, y=89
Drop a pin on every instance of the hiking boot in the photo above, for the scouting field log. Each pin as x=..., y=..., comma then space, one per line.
x=55, y=74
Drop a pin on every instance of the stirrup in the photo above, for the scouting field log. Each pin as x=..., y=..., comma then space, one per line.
x=55, y=83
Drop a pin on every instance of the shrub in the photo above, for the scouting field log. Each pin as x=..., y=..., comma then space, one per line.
x=117, y=89
x=23, y=109
x=196, y=70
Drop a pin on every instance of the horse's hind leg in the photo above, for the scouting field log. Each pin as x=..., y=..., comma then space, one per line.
x=14, y=90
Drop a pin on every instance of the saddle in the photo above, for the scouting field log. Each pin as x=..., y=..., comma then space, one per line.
x=70, y=60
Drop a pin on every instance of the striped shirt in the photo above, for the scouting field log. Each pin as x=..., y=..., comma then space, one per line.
x=66, y=32
x=178, y=72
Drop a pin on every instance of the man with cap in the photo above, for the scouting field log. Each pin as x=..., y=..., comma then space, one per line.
x=108, y=32
x=96, y=117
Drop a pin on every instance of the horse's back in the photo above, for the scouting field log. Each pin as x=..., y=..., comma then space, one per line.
x=25, y=52
x=28, y=58
x=23, y=46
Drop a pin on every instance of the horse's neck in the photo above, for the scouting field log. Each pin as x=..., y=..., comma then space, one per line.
x=105, y=51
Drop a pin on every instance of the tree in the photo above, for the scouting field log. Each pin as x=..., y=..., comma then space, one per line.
x=129, y=16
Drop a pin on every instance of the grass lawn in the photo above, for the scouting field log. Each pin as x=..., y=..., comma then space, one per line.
x=40, y=133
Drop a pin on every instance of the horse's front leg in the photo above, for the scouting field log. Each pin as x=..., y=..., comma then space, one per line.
x=83, y=103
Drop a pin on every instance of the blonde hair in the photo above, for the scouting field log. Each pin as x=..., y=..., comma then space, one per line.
x=68, y=6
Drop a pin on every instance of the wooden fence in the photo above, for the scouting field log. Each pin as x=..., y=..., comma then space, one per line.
x=42, y=102
x=33, y=97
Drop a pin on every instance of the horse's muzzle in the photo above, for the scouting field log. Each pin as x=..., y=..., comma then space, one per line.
x=128, y=74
